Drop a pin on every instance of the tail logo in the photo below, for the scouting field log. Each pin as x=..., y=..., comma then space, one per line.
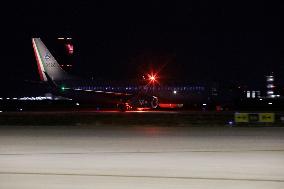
x=47, y=56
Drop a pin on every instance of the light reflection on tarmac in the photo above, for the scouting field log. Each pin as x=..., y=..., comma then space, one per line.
x=141, y=157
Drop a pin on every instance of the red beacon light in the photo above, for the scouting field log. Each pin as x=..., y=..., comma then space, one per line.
x=152, y=78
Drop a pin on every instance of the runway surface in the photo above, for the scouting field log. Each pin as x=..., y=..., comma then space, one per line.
x=141, y=156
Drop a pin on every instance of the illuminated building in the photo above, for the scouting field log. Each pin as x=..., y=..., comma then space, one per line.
x=270, y=87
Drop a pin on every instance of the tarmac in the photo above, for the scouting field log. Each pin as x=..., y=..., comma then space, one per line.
x=141, y=156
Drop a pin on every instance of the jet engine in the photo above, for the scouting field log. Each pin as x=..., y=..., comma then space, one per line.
x=149, y=102
x=145, y=102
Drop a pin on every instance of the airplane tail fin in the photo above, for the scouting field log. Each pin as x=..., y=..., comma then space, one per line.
x=48, y=67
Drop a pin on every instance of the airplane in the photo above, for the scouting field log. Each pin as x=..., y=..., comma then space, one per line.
x=69, y=86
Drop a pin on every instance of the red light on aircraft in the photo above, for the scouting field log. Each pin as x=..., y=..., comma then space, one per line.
x=143, y=109
x=165, y=105
x=152, y=78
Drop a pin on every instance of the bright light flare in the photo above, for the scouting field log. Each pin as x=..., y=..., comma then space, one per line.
x=152, y=78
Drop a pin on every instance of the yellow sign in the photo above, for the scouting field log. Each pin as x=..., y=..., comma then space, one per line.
x=267, y=117
x=241, y=117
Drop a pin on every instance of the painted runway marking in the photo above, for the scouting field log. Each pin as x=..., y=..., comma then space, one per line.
x=139, y=152
x=138, y=176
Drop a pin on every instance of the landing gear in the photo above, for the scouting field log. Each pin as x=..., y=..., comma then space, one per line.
x=138, y=103
x=123, y=107
x=154, y=103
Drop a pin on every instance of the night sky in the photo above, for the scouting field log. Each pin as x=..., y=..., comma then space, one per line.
x=193, y=41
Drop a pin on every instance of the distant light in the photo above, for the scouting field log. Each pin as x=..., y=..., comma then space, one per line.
x=63, y=38
x=21, y=109
x=70, y=48
x=270, y=86
x=253, y=94
x=1, y=111
x=230, y=122
x=8, y=98
x=248, y=94
x=77, y=104
x=175, y=92
x=269, y=103
x=1, y=98
x=204, y=104
x=62, y=88
x=179, y=105
x=14, y=98
x=260, y=99
x=270, y=78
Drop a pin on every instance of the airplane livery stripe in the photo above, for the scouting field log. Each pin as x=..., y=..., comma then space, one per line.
x=42, y=63
x=39, y=61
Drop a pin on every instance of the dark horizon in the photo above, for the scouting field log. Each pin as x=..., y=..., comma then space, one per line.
x=201, y=41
